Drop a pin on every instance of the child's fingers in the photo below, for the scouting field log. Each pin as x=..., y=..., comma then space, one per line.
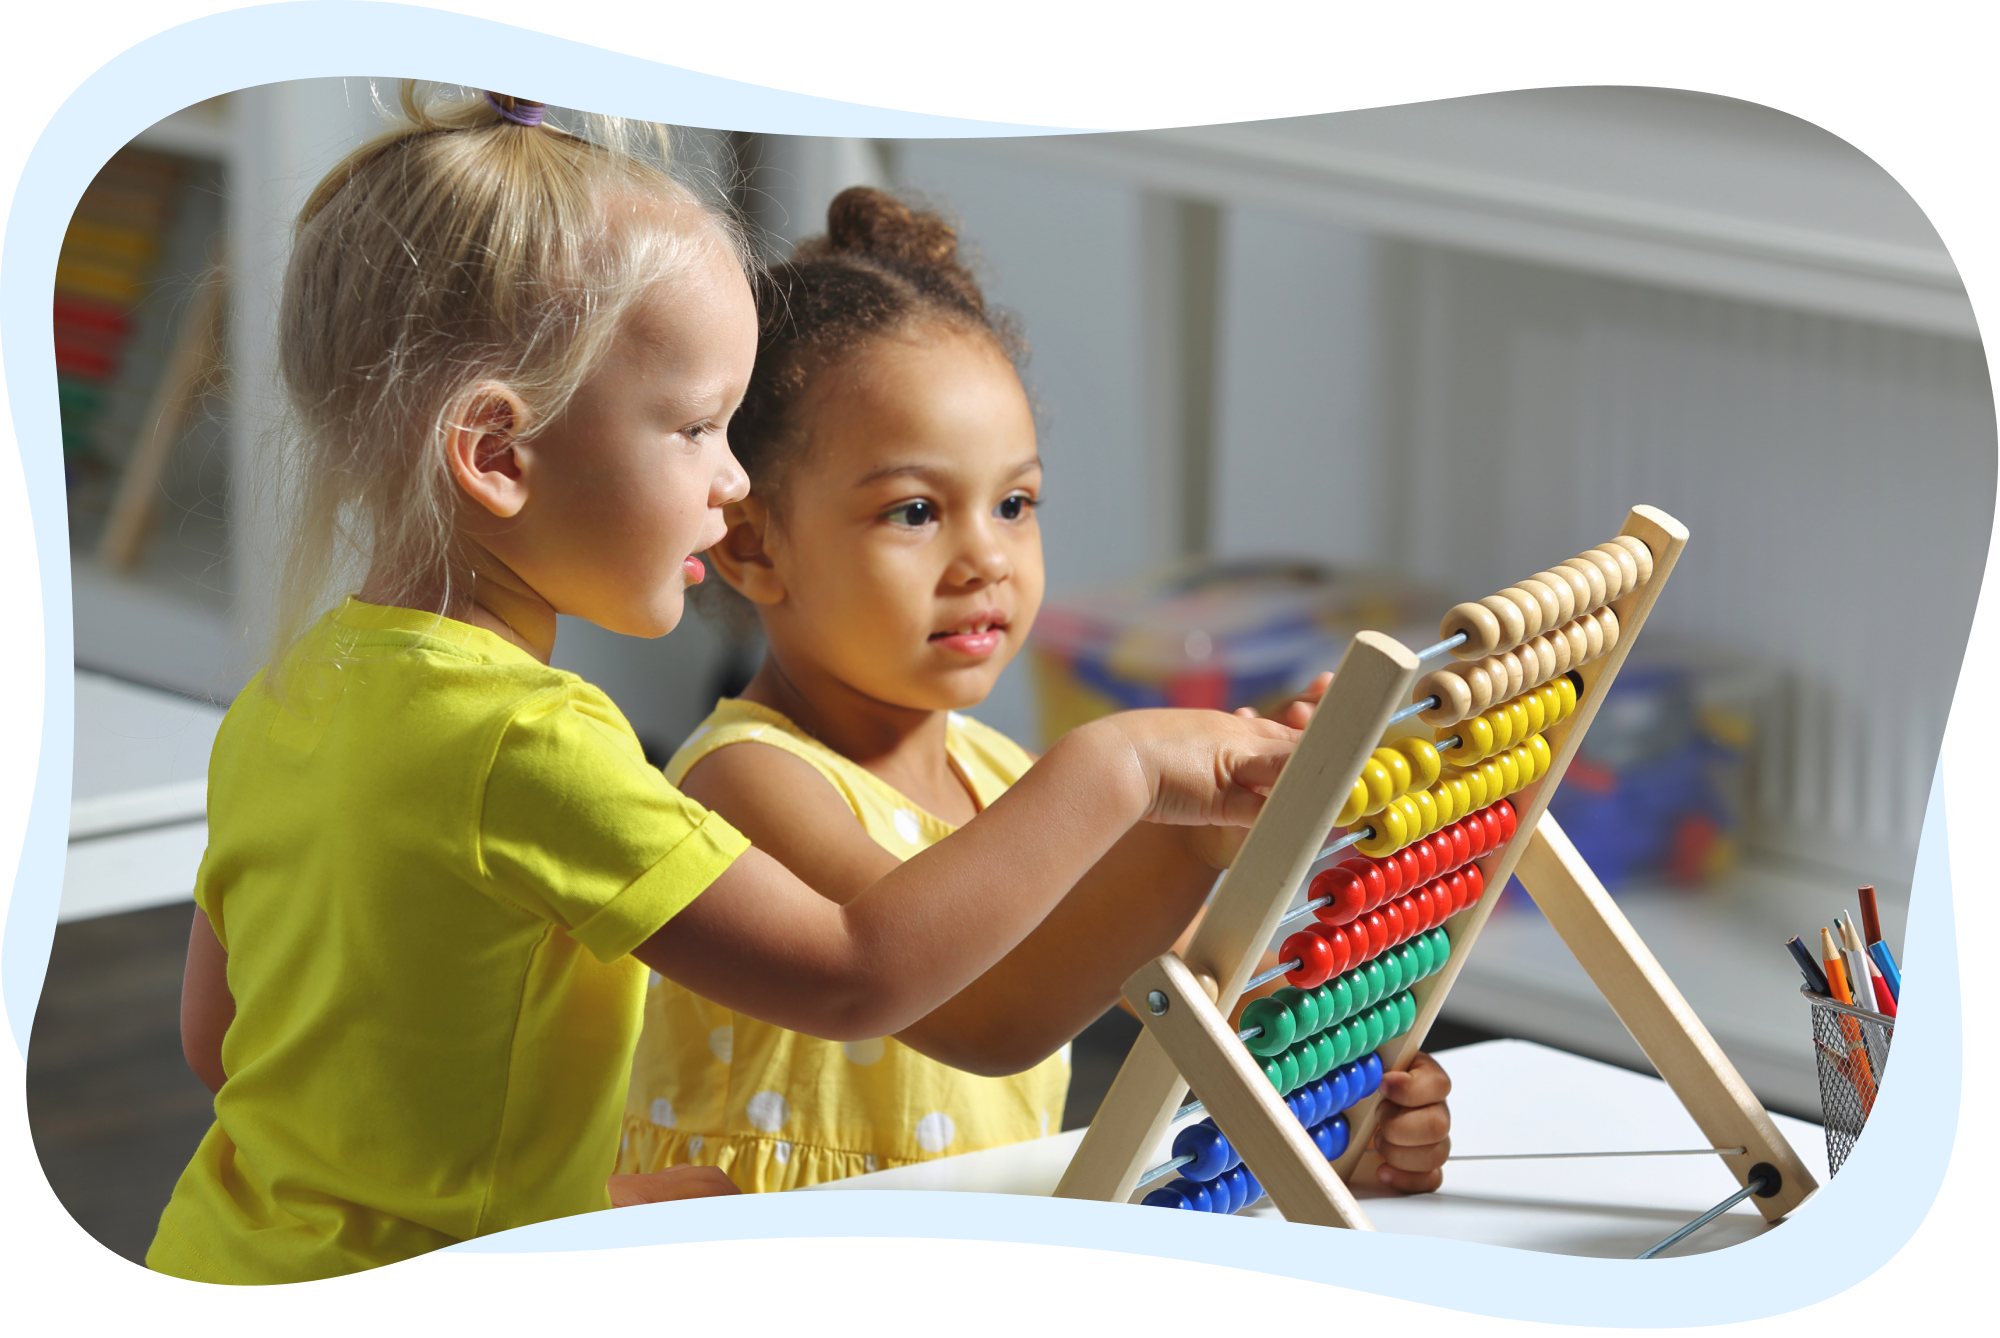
x=1421, y=1126
x=1422, y=1084
x=673, y=1183
x=1413, y=1170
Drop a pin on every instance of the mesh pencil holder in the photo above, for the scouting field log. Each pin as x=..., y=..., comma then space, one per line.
x=1851, y=1052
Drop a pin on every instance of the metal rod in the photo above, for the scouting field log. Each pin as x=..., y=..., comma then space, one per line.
x=1265, y=978
x=1164, y=1169
x=1756, y=1185
x=1553, y=1156
x=1417, y=707
x=1452, y=642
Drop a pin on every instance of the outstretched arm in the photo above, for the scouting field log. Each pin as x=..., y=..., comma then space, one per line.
x=207, y=1007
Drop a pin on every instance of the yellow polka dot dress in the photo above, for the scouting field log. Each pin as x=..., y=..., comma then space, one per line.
x=778, y=1110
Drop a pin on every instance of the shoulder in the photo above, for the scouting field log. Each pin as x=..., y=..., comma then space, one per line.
x=981, y=742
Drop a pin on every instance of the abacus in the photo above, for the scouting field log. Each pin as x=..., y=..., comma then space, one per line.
x=1437, y=826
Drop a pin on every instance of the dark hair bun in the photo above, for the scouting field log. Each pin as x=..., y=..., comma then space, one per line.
x=865, y=221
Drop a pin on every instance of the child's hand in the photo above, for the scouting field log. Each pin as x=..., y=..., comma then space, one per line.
x=1203, y=766
x=675, y=1182
x=1297, y=712
x=1413, y=1127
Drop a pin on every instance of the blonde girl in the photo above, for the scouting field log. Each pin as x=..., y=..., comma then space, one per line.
x=438, y=869
x=890, y=548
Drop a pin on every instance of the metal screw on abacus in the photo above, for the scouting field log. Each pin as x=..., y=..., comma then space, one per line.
x=1851, y=1052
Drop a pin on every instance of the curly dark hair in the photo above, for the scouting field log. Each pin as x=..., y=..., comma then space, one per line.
x=882, y=268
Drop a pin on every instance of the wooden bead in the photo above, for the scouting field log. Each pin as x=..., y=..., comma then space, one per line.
x=1513, y=625
x=1593, y=577
x=1593, y=636
x=1642, y=556
x=1545, y=661
x=1608, y=620
x=1530, y=606
x=1454, y=697
x=1628, y=566
x=1559, y=651
x=1552, y=614
x=1480, y=626
x=1608, y=568
x=1481, y=682
x=1517, y=674
x=1579, y=643
x=1569, y=588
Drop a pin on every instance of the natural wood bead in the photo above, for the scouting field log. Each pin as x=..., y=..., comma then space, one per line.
x=1592, y=576
x=1505, y=670
x=1552, y=615
x=1579, y=642
x=1608, y=620
x=1613, y=574
x=1513, y=623
x=1558, y=648
x=1481, y=683
x=1628, y=566
x=1593, y=633
x=1565, y=593
x=1641, y=555
x=1534, y=617
x=1482, y=630
x=1545, y=660
x=1454, y=696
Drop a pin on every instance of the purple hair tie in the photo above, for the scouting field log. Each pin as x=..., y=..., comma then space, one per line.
x=522, y=113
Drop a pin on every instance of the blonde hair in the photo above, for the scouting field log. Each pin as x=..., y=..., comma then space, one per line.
x=458, y=248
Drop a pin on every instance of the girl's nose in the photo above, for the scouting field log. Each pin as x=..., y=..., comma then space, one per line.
x=983, y=562
x=732, y=484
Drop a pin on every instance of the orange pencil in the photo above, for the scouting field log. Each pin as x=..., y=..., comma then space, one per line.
x=1859, y=1071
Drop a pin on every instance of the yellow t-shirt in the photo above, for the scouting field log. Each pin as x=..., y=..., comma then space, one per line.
x=778, y=1110
x=428, y=866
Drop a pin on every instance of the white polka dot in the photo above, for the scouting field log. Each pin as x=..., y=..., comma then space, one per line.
x=935, y=1131
x=694, y=1145
x=624, y=1142
x=722, y=1043
x=862, y=1052
x=1045, y=1124
x=1063, y=1054
x=652, y=979
x=757, y=733
x=906, y=826
x=782, y=1151
x=768, y=1111
x=868, y=1163
x=699, y=731
x=954, y=717
x=662, y=1112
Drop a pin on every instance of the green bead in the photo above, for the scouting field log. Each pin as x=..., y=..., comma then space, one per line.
x=1288, y=1073
x=1378, y=1028
x=1275, y=1072
x=1412, y=964
x=1345, y=988
x=1308, y=1058
x=1328, y=1004
x=1441, y=946
x=1426, y=962
x=1407, y=1005
x=1323, y=1055
x=1276, y=1021
x=1392, y=970
x=1378, y=983
x=1305, y=1013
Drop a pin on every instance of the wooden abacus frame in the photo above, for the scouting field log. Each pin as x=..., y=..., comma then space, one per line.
x=1185, y=1002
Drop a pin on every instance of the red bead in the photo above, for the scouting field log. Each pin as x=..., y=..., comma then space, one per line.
x=1427, y=859
x=1346, y=887
x=1340, y=941
x=1460, y=836
x=1509, y=820
x=1391, y=874
x=1475, y=883
x=1424, y=899
x=1314, y=956
x=1393, y=913
x=1378, y=933
x=1412, y=867
x=1490, y=831
x=1371, y=873
x=1452, y=895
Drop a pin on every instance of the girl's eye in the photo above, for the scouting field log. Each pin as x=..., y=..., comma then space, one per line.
x=1014, y=506
x=916, y=515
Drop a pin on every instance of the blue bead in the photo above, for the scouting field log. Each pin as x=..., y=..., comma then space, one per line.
x=1342, y=1083
x=1253, y=1191
x=1371, y=1072
x=1322, y=1136
x=1337, y=1133
x=1201, y=1196
x=1322, y=1095
x=1232, y=1188
x=1166, y=1198
x=1210, y=1150
x=1296, y=1103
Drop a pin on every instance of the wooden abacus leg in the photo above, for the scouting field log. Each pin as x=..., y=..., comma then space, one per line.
x=1638, y=990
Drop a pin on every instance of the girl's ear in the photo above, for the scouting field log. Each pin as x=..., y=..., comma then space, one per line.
x=483, y=451
x=741, y=559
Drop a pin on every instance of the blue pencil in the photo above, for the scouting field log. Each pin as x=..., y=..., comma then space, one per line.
x=1880, y=952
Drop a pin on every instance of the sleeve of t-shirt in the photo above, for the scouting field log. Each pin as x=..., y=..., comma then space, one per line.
x=579, y=829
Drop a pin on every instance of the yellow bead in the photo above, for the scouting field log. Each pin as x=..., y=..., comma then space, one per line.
x=1517, y=710
x=1356, y=805
x=1544, y=755
x=1502, y=722
x=1427, y=811
x=1398, y=767
x=1475, y=789
x=1566, y=688
x=1552, y=705
x=1475, y=741
x=1461, y=795
x=1510, y=771
x=1496, y=779
x=1381, y=785
x=1447, y=804
x=1425, y=764
x=1391, y=834
x=1531, y=706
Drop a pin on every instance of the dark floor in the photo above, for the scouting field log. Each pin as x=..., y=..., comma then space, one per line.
x=116, y=1114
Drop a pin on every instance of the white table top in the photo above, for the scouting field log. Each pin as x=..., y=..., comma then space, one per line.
x=1507, y=1096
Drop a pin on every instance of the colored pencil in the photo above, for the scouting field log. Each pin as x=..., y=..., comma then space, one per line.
x=1836, y=974
x=1858, y=1070
x=1879, y=953
x=1855, y=959
x=1815, y=978
x=1871, y=917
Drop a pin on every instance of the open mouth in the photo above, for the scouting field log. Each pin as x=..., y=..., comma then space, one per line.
x=977, y=636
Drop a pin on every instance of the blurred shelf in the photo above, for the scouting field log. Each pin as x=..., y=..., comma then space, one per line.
x=1723, y=946
x=204, y=130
